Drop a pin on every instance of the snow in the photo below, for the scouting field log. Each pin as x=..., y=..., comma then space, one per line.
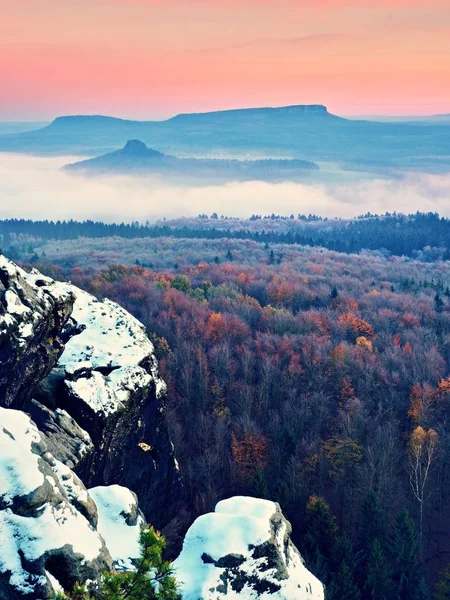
x=122, y=540
x=106, y=394
x=14, y=304
x=52, y=528
x=236, y=527
x=111, y=338
x=50, y=525
x=19, y=473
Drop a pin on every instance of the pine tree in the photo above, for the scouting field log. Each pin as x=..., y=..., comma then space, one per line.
x=421, y=591
x=443, y=585
x=344, y=586
x=320, y=536
x=405, y=552
x=378, y=573
x=372, y=522
x=152, y=578
x=260, y=488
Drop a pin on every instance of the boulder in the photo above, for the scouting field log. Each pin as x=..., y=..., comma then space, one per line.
x=48, y=520
x=120, y=522
x=243, y=550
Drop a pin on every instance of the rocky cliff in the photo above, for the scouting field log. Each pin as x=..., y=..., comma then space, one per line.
x=85, y=372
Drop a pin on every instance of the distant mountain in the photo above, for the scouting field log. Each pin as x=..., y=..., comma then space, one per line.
x=136, y=157
x=286, y=132
x=8, y=127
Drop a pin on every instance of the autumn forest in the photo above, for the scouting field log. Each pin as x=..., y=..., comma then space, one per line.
x=312, y=377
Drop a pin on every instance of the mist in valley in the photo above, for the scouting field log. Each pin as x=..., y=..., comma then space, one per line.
x=36, y=188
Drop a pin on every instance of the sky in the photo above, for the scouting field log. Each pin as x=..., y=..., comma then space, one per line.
x=154, y=58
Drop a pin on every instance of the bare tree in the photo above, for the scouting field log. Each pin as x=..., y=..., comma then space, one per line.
x=422, y=451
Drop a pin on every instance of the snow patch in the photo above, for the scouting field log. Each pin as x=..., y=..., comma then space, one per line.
x=114, y=503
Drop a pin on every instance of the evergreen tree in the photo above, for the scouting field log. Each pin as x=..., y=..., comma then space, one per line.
x=443, y=585
x=229, y=255
x=334, y=293
x=320, y=536
x=372, y=522
x=378, y=573
x=152, y=578
x=438, y=303
x=405, y=552
x=421, y=591
x=344, y=586
x=260, y=488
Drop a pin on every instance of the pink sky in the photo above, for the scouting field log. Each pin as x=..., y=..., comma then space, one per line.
x=154, y=58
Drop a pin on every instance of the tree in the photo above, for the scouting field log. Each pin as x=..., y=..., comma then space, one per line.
x=421, y=592
x=344, y=585
x=405, y=550
x=422, y=451
x=320, y=535
x=378, y=573
x=372, y=526
x=152, y=578
x=443, y=585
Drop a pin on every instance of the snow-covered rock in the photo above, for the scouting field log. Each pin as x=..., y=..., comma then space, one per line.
x=32, y=318
x=48, y=521
x=53, y=531
x=243, y=550
x=101, y=406
x=119, y=522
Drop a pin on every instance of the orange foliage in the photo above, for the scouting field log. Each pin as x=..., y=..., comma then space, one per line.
x=279, y=291
x=216, y=327
x=444, y=386
x=408, y=348
x=347, y=393
x=359, y=326
x=249, y=451
x=363, y=342
x=421, y=400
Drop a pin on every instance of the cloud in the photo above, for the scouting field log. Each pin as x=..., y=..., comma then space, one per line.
x=35, y=188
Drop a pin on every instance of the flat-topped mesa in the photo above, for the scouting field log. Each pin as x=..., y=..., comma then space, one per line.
x=299, y=109
x=243, y=550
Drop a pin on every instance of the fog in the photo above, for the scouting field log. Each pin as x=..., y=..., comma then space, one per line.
x=35, y=187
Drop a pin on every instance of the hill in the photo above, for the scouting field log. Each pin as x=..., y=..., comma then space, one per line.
x=135, y=156
x=285, y=132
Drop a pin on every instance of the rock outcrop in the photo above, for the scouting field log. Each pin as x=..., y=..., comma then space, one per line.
x=48, y=521
x=120, y=522
x=85, y=371
x=243, y=550
x=32, y=320
x=107, y=380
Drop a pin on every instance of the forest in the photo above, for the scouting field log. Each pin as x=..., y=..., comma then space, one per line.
x=315, y=378
x=424, y=236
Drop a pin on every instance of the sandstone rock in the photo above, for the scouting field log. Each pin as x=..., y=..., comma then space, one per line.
x=243, y=550
x=47, y=518
x=32, y=320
